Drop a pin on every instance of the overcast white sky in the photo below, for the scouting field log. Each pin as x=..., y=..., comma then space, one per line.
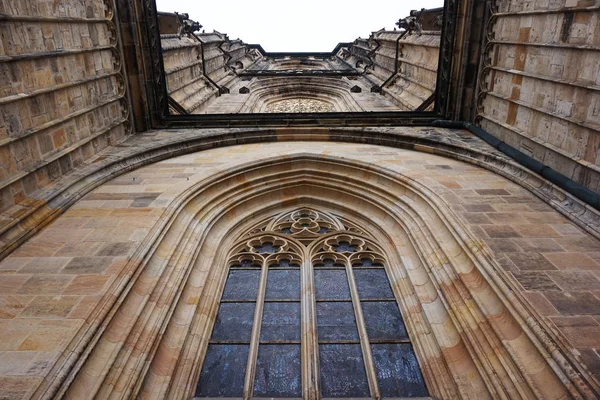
x=309, y=25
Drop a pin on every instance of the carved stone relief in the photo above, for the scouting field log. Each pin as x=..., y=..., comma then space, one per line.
x=299, y=105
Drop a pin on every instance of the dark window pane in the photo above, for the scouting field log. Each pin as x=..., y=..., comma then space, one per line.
x=246, y=264
x=342, y=371
x=234, y=322
x=344, y=247
x=285, y=263
x=267, y=248
x=223, y=371
x=278, y=371
x=331, y=284
x=373, y=284
x=335, y=321
x=383, y=320
x=329, y=263
x=366, y=262
x=281, y=321
x=398, y=372
x=283, y=284
x=241, y=285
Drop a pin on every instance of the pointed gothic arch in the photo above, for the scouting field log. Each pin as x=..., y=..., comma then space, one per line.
x=307, y=292
x=473, y=337
x=335, y=94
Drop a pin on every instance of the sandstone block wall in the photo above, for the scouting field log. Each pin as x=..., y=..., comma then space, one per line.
x=285, y=83
x=398, y=71
x=210, y=74
x=541, y=83
x=403, y=64
x=182, y=61
x=51, y=286
x=199, y=67
x=62, y=93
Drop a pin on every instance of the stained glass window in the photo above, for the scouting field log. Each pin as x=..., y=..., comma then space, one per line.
x=362, y=344
x=223, y=371
x=342, y=371
x=278, y=371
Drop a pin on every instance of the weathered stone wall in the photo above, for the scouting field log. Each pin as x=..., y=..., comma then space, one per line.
x=63, y=105
x=200, y=67
x=182, y=61
x=62, y=93
x=56, y=288
x=402, y=64
x=224, y=58
x=541, y=83
x=398, y=71
x=236, y=79
x=415, y=79
x=340, y=93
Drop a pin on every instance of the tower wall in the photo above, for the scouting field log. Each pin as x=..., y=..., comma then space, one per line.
x=63, y=94
x=540, y=88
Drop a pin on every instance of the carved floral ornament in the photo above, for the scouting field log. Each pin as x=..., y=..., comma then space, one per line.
x=299, y=105
x=473, y=334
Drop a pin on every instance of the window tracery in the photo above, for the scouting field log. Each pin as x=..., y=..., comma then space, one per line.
x=308, y=274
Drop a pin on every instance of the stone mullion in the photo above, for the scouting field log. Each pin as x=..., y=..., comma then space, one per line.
x=362, y=333
x=309, y=343
x=255, y=338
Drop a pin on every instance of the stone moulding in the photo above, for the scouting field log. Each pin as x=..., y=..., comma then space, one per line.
x=474, y=335
x=36, y=212
x=265, y=92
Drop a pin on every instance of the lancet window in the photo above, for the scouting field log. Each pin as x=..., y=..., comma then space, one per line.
x=306, y=292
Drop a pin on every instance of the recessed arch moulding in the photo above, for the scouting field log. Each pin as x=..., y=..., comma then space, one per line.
x=334, y=94
x=474, y=337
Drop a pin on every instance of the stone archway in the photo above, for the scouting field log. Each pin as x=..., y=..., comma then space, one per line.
x=473, y=338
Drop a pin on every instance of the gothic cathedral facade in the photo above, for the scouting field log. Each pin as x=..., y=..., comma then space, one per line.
x=415, y=214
